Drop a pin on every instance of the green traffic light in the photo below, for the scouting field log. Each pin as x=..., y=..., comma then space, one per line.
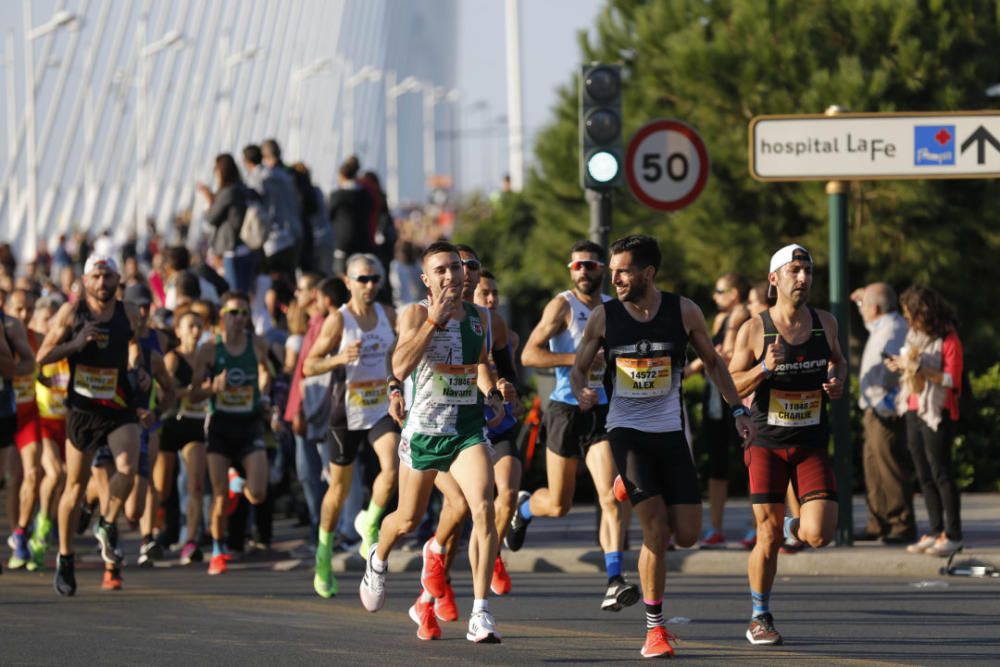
x=602, y=166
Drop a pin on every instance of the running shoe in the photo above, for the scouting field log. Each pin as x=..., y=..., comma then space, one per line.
x=713, y=539
x=83, y=520
x=944, y=548
x=500, y=584
x=749, y=540
x=422, y=614
x=149, y=553
x=191, y=553
x=658, y=643
x=919, y=547
x=367, y=530
x=762, y=632
x=791, y=546
x=217, y=564
x=107, y=537
x=444, y=607
x=621, y=495
x=112, y=579
x=483, y=629
x=21, y=556
x=65, y=579
x=372, y=588
x=432, y=576
x=324, y=583
x=39, y=548
x=518, y=524
x=620, y=594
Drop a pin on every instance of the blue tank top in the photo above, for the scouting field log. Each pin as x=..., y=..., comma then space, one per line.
x=567, y=342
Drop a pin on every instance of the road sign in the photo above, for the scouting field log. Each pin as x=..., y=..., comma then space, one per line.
x=666, y=165
x=859, y=146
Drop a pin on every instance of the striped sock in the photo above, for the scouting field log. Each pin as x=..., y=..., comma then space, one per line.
x=761, y=603
x=654, y=614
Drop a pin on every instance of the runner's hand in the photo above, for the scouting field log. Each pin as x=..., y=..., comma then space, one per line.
x=219, y=382
x=87, y=334
x=834, y=388
x=587, y=398
x=146, y=418
x=353, y=352
x=508, y=390
x=746, y=429
x=775, y=355
x=495, y=404
x=439, y=312
x=397, y=408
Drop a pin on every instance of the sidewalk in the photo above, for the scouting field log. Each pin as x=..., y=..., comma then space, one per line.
x=568, y=545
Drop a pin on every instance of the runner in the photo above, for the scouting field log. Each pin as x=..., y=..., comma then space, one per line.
x=363, y=333
x=236, y=364
x=574, y=434
x=644, y=335
x=97, y=336
x=8, y=408
x=184, y=431
x=443, y=345
x=789, y=356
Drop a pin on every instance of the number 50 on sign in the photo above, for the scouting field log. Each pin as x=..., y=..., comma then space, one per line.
x=666, y=165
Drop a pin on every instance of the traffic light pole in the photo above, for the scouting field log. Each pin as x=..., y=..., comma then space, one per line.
x=600, y=216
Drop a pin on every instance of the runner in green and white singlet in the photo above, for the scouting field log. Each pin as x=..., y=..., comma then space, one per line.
x=442, y=344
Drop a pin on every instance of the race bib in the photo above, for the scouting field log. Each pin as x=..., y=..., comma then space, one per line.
x=454, y=384
x=595, y=377
x=366, y=395
x=642, y=378
x=196, y=409
x=95, y=383
x=794, y=408
x=235, y=399
x=24, y=389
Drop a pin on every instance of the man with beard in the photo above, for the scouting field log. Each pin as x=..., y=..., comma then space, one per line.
x=571, y=433
x=358, y=338
x=644, y=335
x=790, y=358
x=98, y=336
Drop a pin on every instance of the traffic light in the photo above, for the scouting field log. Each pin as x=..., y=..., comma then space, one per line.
x=600, y=126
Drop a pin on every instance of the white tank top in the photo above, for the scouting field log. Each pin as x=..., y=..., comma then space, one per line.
x=366, y=398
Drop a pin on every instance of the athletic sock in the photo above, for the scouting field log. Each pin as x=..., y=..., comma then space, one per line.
x=480, y=605
x=426, y=597
x=613, y=564
x=437, y=547
x=20, y=531
x=761, y=603
x=525, y=509
x=654, y=614
x=217, y=549
x=378, y=564
x=374, y=513
x=789, y=535
x=236, y=484
x=324, y=549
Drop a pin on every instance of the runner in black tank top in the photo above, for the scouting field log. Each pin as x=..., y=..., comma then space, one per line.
x=97, y=336
x=789, y=357
x=645, y=334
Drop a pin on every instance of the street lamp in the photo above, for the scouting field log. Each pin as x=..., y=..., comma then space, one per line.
x=60, y=19
x=299, y=75
x=433, y=95
x=392, y=92
x=366, y=74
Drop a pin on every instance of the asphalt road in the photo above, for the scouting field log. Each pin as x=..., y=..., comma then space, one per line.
x=262, y=613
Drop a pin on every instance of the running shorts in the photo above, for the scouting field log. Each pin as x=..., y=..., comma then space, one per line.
x=88, y=430
x=570, y=431
x=342, y=446
x=438, y=452
x=179, y=432
x=29, y=427
x=808, y=468
x=655, y=464
x=8, y=429
x=235, y=440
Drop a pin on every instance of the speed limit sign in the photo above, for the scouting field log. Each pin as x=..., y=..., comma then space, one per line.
x=666, y=165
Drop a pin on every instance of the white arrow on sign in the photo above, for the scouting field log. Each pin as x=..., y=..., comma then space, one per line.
x=875, y=146
x=666, y=165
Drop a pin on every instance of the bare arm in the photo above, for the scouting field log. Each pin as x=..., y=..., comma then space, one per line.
x=52, y=349
x=19, y=342
x=201, y=379
x=164, y=379
x=837, y=367
x=593, y=335
x=747, y=374
x=737, y=317
x=321, y=358
x=263, y=374
x=6, y=359
x=536, y=351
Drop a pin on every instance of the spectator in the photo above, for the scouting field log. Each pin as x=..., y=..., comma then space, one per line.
x=315, y=221
x=382, y=230
x=887, y=466
x=349, y=208
x=177, y=264
x=276, y=191
x=227, y=206
x=931, y=382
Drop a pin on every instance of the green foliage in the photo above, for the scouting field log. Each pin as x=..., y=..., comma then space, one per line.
x=976, y=448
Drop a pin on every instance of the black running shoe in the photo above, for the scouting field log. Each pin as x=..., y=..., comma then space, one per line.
x=761, y=631
x=83, y=521
x=620, y=594
x=518, y=524
x=65, y=580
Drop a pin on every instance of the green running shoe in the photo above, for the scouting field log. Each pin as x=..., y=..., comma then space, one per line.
x=368, y=532
x=324, y=582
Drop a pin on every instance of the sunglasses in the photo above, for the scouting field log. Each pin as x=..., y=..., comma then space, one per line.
x=584, y=265
x=721, y=291
x=472, y=264
x=367, y=279
x=241, y=312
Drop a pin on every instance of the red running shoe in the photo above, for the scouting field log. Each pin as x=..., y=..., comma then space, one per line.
x=444, y=606
x=432, y=576
x=112, y=579
x=422, y=614
x=217, y=565
x=658, y=643
x=713, y=540
x=621, y=495
x=500, y=584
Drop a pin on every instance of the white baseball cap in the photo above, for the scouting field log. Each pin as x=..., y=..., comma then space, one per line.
x=96, y=261
x=787, y=254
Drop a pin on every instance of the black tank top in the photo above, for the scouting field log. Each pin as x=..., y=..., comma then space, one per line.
x=789, y=408
x=99, y=372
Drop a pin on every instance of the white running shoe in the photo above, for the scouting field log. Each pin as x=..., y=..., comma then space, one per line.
x=483, y=629
x=373, y=584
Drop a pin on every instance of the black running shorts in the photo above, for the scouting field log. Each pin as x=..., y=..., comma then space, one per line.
x=88, y=430
x=655, y=464
x=177, y=433
x=235, y=439
x=8, y=429
x=342, y=445
x=570, y=431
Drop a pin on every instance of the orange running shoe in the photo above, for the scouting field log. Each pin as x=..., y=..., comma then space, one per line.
x=217, y=565
x=444, y=606
x=658, y=643
x=112, y=579
x=500, y=584
x=432, y=576
x=621, y=495
x=422, y=614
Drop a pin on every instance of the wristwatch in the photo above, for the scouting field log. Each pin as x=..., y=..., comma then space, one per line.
x=740, y=411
